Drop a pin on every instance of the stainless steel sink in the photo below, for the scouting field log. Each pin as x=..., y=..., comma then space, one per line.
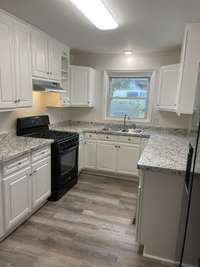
x=121, y=130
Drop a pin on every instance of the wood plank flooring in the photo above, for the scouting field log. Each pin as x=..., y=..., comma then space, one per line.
x=91, y=226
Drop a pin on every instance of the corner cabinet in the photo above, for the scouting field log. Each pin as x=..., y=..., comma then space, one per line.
x=188, y=82
x=15, y=64
x=168, y=83
x=82, y=86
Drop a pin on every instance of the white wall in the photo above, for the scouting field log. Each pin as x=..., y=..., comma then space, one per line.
x=8, y=119
x=136, y=62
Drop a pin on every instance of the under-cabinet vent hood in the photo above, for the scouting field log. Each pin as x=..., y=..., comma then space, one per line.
x=46, y=86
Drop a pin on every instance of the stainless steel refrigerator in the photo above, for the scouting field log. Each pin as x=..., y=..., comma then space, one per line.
x=188, y=245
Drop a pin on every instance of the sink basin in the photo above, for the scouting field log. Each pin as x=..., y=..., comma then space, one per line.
x=131, y=131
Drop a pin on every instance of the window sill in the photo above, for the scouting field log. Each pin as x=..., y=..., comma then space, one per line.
x=128, y=121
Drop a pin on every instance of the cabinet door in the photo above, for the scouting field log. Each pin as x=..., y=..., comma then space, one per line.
x=41, y=181
x=168, y=87
x=39, y=45
x=23, y=75
x=90, y=154
x=79, y=78
x=55, y=54
x=7, y=95
x=16, y=190
x=188, y=86
x=81, y=156
x=106, y=156
x=127, y=159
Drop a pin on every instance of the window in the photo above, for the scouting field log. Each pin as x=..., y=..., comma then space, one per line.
x=128, y=95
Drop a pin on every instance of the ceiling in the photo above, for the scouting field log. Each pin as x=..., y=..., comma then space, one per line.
x=144, y=25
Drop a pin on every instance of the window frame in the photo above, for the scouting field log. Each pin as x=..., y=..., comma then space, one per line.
x=108, y=75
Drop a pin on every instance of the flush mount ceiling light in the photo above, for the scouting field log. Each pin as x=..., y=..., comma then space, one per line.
x=128, y=52
x=97, y=13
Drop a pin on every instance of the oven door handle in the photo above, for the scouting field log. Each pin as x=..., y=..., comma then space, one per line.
x=68, y=149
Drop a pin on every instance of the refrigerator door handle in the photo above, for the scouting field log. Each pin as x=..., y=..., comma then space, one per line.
x=188, y=175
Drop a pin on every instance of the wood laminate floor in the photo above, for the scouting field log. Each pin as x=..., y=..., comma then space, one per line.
x=91, y=226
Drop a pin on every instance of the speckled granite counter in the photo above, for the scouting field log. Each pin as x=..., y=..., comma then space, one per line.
x=165, y=153
x=12, y=146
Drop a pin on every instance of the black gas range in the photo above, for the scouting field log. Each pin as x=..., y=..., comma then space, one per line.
x=64, y=152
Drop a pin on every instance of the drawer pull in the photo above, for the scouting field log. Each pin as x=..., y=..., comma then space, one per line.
x=107, y=137
x=129, y=139
x=19, y=163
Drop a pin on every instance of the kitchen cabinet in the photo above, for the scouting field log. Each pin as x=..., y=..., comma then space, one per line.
x=82, y=86
x=23, y=74
x=90, y=151
x=41, y=181
x=15, y=64
x=7, y=92
x=188, y=80
x=127, y=159
x=17, y=200
x=46, y=57
x=168, y=85
x=61, y=99
x=159, y=208
x=25, y=186
x=54, y=53
x=106, y=156
x=39, y=47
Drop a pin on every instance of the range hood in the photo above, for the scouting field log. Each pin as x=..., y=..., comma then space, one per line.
x=47, y=86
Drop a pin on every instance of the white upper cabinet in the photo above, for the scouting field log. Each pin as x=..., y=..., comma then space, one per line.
x=7, y=92
x=46, y=56
x=189, y=70
x=168, y=87
x=15, y=64
x=39, y=46
x=23, y=74
x=82, y=81
x=55, y=54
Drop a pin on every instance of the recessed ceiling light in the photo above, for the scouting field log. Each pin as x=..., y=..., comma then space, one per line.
x=128, y=52
x=97, y=13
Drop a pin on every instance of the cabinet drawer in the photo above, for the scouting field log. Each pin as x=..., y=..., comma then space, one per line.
x=129, y=139
x=91, y=136
x=41, y=153
x=107, y=137
x=16, y=164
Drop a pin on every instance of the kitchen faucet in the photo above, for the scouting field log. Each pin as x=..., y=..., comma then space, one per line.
x=125, y=117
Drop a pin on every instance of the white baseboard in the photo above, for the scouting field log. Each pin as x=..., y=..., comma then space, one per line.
x=110, y=174
x=165, y=261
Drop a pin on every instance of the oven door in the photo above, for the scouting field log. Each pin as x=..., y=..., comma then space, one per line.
x=68, y=161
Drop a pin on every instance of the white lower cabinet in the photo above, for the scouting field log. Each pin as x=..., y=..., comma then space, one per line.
x=24, y=187
x=41, y=183
x=90, y=154
x=106, y=156
x=127, y=159
x=17, y=197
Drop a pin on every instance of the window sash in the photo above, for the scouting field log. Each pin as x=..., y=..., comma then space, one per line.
x=111, y=97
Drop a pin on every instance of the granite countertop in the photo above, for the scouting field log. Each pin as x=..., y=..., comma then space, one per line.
x=166, y=150
x=97, y=130
x=165, y=153
x=12, y=146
